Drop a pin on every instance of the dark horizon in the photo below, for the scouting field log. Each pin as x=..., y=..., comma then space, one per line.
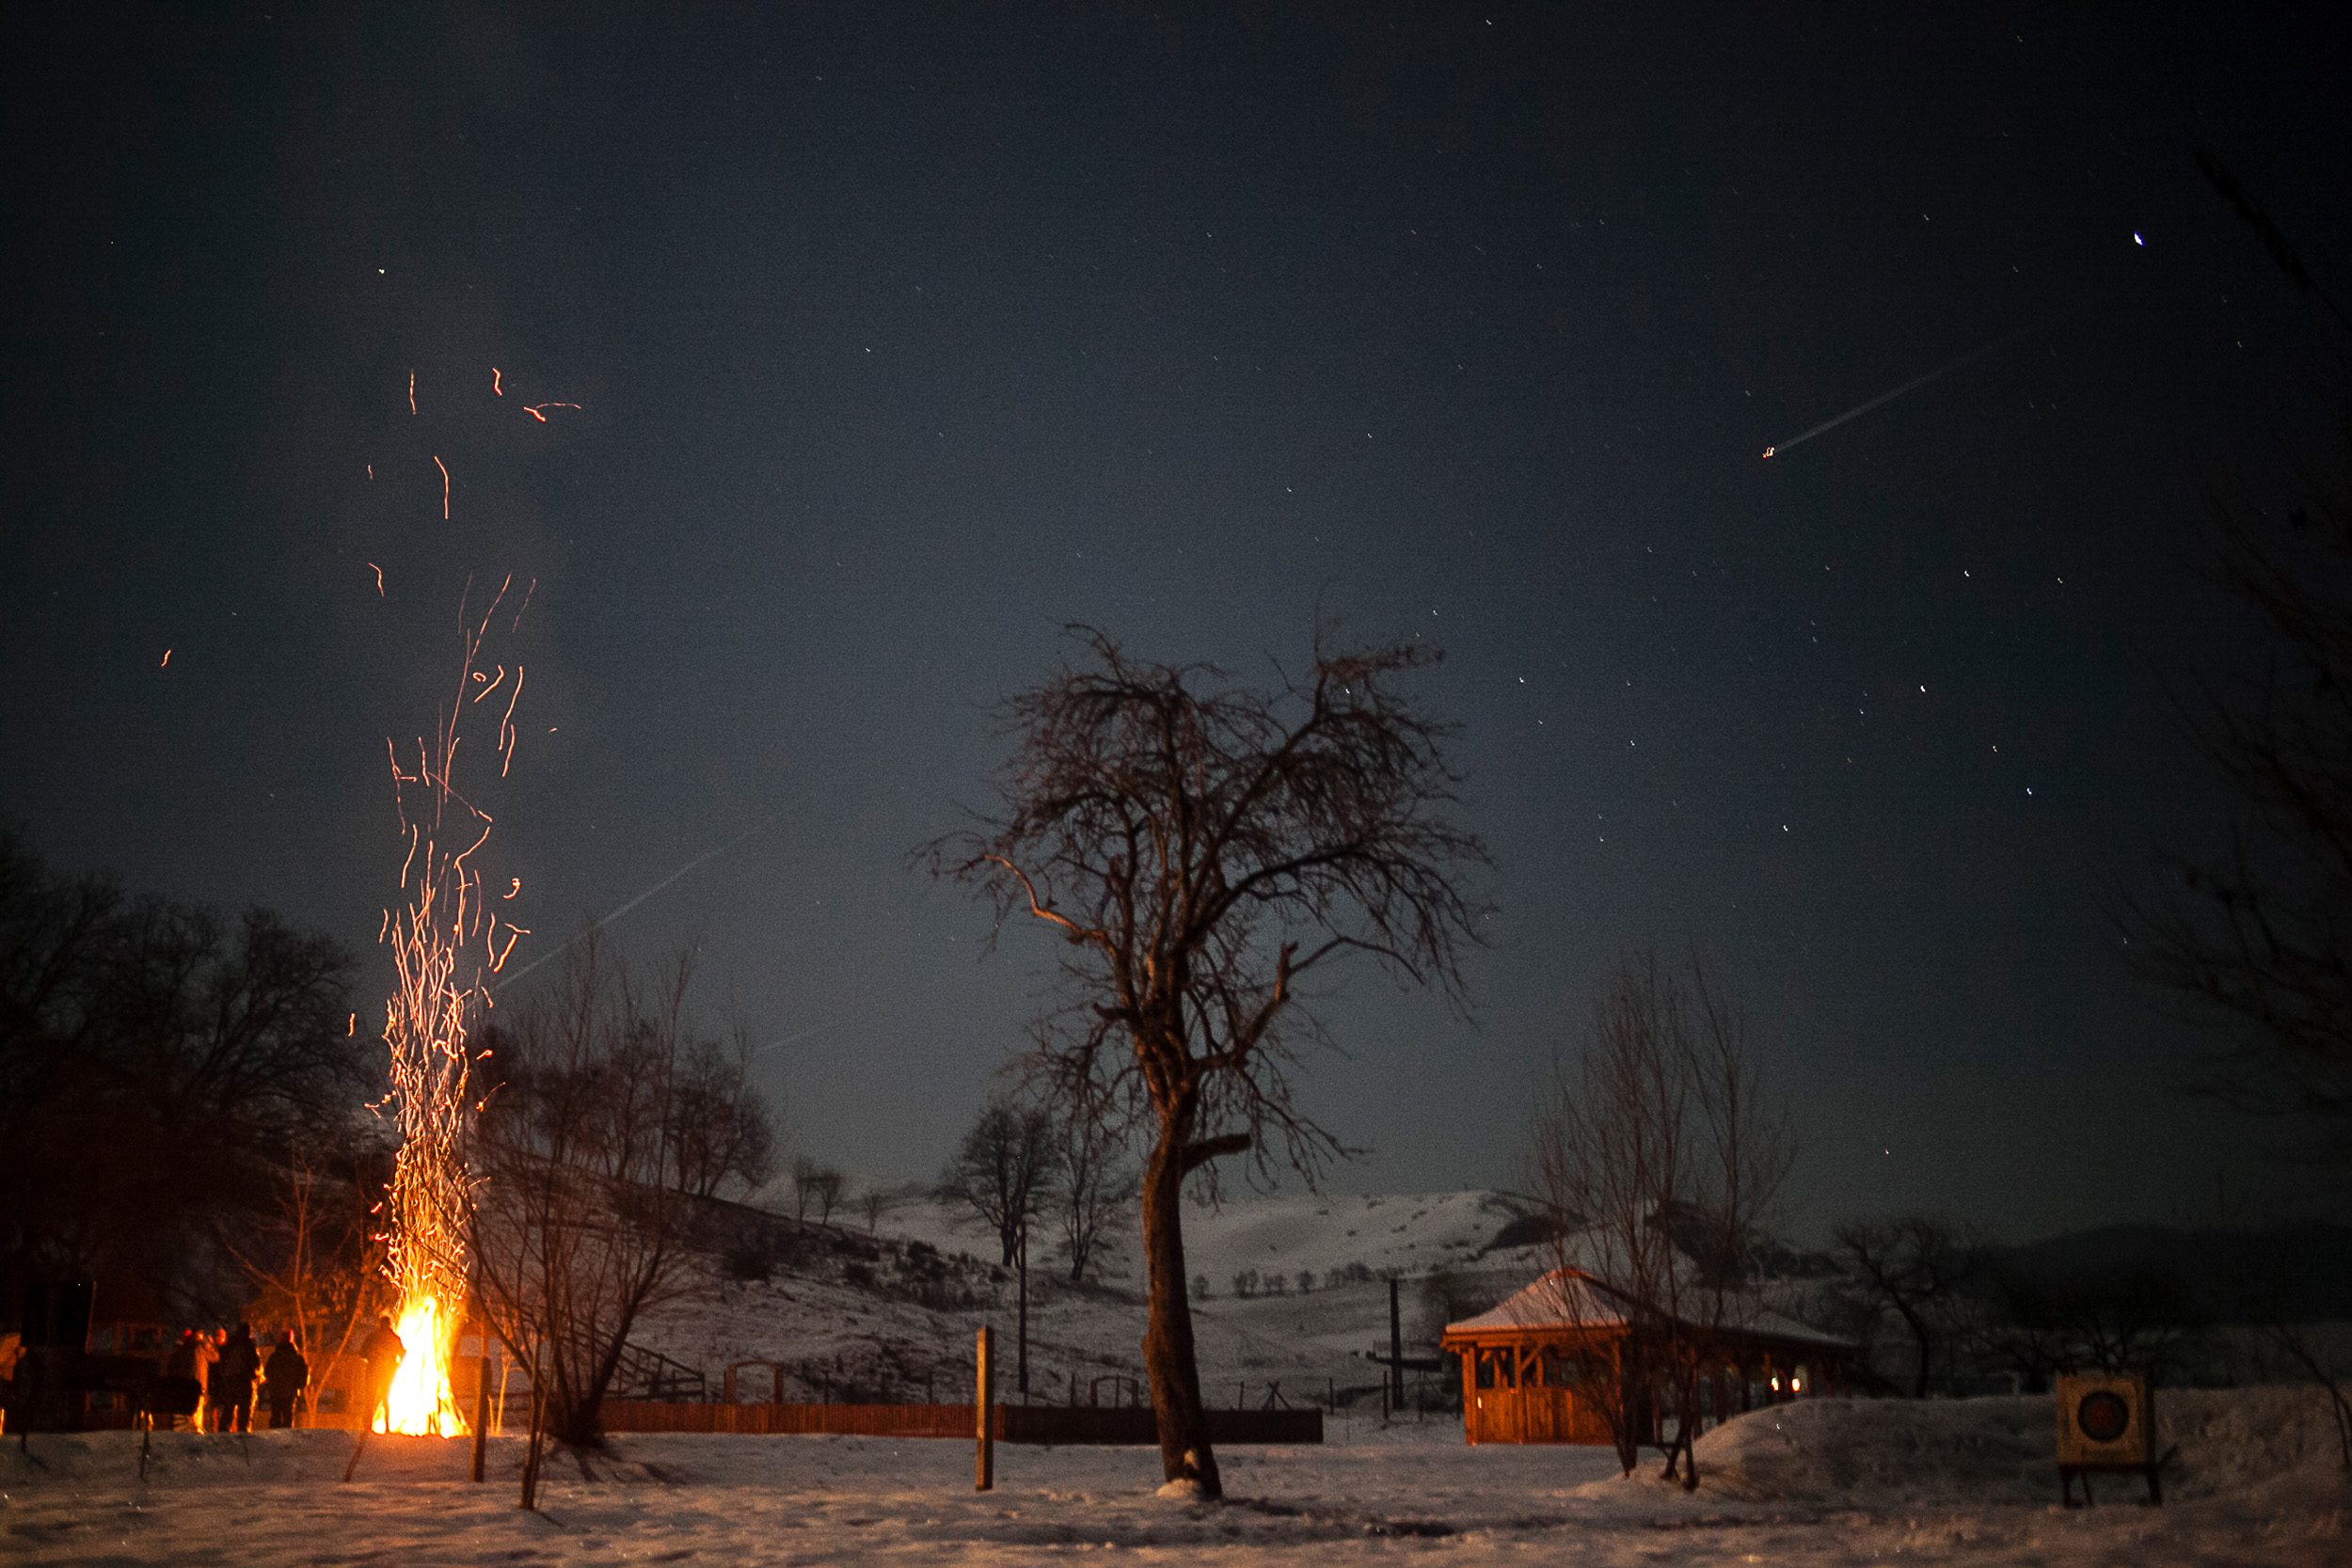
x=902, y=337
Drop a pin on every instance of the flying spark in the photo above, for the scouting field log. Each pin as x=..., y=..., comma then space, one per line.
x=167, y=663
x=533, y=409
x=496, y=390
x=412, y=392
x=439, y=990
x=379, y=578
x=1911, y=385
x=444, y=468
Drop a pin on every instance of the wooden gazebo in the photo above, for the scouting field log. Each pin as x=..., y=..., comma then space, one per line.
x=1544, y=1364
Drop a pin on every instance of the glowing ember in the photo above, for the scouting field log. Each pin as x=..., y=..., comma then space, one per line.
x=425, y=1027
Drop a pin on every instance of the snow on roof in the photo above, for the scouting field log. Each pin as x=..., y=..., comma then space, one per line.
x=1572, y=1299
x=1564, y=1298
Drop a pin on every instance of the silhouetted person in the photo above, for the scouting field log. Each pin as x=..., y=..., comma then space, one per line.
x=181, y=1390
x=381, y=1351
x=285, y=1377
x=232, y=1388
x=208, y=1343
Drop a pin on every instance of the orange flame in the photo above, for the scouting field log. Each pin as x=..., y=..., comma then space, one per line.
x=421, y=1404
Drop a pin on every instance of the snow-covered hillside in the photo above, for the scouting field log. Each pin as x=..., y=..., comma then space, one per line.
x=891, y=1314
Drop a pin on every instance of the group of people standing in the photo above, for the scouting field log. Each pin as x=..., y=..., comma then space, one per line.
x=212, y=1376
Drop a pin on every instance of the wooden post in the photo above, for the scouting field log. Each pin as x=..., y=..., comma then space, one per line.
x=984, y=1461
x=481, y=1411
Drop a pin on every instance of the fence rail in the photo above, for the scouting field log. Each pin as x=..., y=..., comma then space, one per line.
x=1013, y=1423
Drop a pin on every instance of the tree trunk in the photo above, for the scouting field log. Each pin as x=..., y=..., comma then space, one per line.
x=1626, y=1430
x=1690, y=1429
x=1918, y=1327
x=577, y=1424
x=1168, y=1359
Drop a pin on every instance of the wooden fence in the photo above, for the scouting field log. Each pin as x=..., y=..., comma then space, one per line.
x=1013, y=1423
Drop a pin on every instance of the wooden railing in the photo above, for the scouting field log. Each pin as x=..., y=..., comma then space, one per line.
x=1013, y=1423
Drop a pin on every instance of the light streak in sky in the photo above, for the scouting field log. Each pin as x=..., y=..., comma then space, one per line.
x=379, y=578
x=1911, y=385
x=167, y=663
x=412, y=392
x=444, y=468
x=798, y=1035
x=629, y=904
x=532, y=409
x=496, y=390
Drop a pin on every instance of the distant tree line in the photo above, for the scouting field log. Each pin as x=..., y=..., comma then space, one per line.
x=184, y=1119
x=162, y=1068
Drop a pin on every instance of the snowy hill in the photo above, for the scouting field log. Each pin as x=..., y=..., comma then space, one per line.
x=1411, y=1236
x=891, y=1313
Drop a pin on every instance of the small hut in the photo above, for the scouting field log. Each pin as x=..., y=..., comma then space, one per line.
x=1547, y=1364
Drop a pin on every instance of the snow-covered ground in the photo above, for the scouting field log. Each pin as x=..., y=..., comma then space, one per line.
x=1811, y=1484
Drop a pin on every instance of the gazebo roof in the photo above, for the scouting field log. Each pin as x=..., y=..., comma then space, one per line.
x=1572, y=1300
x=1563, y=1299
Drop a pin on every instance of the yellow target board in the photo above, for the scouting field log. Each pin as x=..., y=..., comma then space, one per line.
x=2106, y=1422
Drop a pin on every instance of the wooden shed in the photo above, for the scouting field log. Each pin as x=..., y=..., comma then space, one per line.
x=1544, y=1364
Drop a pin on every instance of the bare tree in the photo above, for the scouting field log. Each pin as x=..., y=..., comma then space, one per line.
x=1004, y=1173
x=2042, y=1319
x=1659, y=1157
x=1097, y=1185
x=2260, y=933
x=1917, y=1266
x=307, y=1261
x=826, y=1186
x=806, y=1171
x=1202, y=848
x=817, y=1185
x=724, y=1130
x=579, y=1228
x=879, y=1201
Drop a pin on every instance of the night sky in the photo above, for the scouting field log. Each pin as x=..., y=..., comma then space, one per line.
x=902, y=337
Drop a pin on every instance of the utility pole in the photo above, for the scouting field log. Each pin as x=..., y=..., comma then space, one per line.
x=1396, y=1350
